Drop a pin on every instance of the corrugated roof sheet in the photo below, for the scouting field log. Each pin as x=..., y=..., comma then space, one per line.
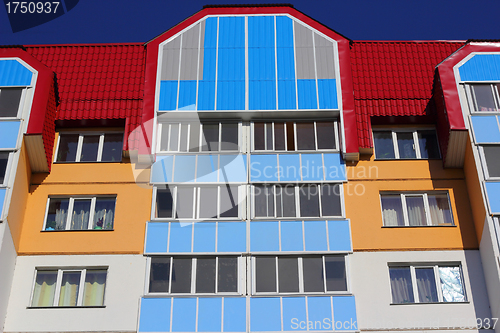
x=100, y=81
x=393, y=79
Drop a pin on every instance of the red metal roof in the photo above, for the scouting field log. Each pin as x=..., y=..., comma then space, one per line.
x=393, y=79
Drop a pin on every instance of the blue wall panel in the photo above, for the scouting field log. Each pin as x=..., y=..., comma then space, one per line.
x=315, y=235
x=334, y=167
x=233, y=168
x=155, y=315
x=206, y=85
x=264, y=236
x=339, y=236
x=9, y=131
x=485, y=129
x=161, y=170
x=344, y=311
x=320, y=313
x=187, y=95
x=263, y=168
x=207, y=168
x=285, y=63
x=291, y=236
x=209, y=314
x=184, y=315
x=184, y=168
x=265, y=314
x=481, y=67
x=307, y=94
x=262, y=95
x=312, y=167
x=231, y=237
x=235, y=314
x=204, y=237
x=493, y=192
x=294, y=314
x=13, y=73
x=327, y=93
x=168, y=95
x=289, y=167
x=180, y=237
x=157, y=237
x=286, y=95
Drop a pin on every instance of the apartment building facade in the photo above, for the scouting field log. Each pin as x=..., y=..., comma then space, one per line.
x=250, y=170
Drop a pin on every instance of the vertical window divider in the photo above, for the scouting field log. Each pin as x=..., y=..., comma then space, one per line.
x=216, y=274
x=439, y=289
x=194, y=265
x=405, y=210
x=200, y=139
x=79, y=148
x=275, y=200
x=320, y=199
x=314, y=123
x=219, y=125
x=252, y=273
x=79, y=299
x=218, y=201
x=295, y=133
x=297, y=202
x=273, y=133
x=188, y=136
x=57, y=149
x=427, y=209
x=286, y=135
x=195, y=200
x=336, y=132
x=300, y=267
x=416, y=144
x=414, y=284
x=171, y=269
x=100, y=148
x=70, y=213
x=277, y=274
x=196, y=197
x=92, y=213
x=324, y=273
x=173, y=192
x=395, y=144
x=57, y=294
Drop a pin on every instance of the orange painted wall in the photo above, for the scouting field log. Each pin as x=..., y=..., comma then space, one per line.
x=366, y=179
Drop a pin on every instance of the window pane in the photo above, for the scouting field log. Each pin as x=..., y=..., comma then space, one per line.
x=95, y=283
x=210, y=137
x=208, y=202
x=164, y=137
x=69, y=288
x=45, y=288
x=384, y=147
x=194, y=137
x=305, y=136
x=451, y=284
x=416, y=211
x=335, y=273
x=112, y=148
x=401, y=287
x=229, y=137
x=104, y=213
x=4, y=158
x=440, y=209
x=406, y=145
x=426, y=285
x=285, y=201
x=290, y=137
x=67, y=148
x=164, y=203
x=309, y=201
x=330, y=200
x=89, y=148
x=228, y=201
x=492, y=157
x=279, y=136
x=264, y=201
x=269, y=136
x=265, y=274
x=392, y=210
x=10, y=99
x=174, y=137
x=483, y=97
x=184, y=203
x=159, y=275
x=57, y=214
x=80, y=215
x=205, y=275
x=288, y=274
x=326, y=135
x=228, y=274
x=258, y=136
x=427, y=142
x=313, y=274
x=181, y=275
x=184, y=137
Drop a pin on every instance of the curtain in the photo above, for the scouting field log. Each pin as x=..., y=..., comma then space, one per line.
x=95, y=283
x=426, y=285
x=45, y=287
x=61, y=216
x=104, y=213
x=81, y=213
x=440, y=209
x=451, y=284
x=392, y=210
x=401, y=287
x=416, y=212
x=69, y=289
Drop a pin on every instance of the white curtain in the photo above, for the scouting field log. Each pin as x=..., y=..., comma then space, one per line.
x=104, y=214
x=426, y=285
x=45, y=287
x=451, y=284
x=95, y=282
x=440, y=209
x=401, y=288
x=416, y=212
x=69, y=289
x=392, y=210
x=61, y=216
x=81, y=213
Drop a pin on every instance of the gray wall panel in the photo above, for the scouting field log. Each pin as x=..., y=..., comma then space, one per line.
x=170, y=61
x=304, y=52
x=189, y=54
x=202, y=48
x=325, y=62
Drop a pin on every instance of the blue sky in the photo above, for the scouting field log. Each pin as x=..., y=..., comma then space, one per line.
x=118, y=21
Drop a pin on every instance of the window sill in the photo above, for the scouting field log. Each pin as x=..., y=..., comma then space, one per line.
x=86, y=230
x=419, y=226
x=190, y=295
x=408, y=159
x=86, y=162
x=68, y=307
x=466, y=302
x=330, y=293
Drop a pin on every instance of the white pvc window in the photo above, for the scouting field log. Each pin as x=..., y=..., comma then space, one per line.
x=294, y=136
x=80, y=213
x=199, y=275
x=483, y=97
x=198, y=202
x=405, y=144
x=104, y=147
x=311, y=200
x=69, y=287
x=490, y=155
x=416, y=209
x=11, y=102
x=426, y=284
x=306, y=274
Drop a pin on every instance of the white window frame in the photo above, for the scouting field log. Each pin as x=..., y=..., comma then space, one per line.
x=427, y=210
x=196, y=126
x=240, y=269
x=8, y=167
x=471, y=98
x=70, y=210
x=300, y=272
x=297, y=188
x=395, y=146
x=81, y=287
x=483, y=160
x=197, y=202
x=80, y=145
x=437, y=278
x=266, y=123
x=21, y=102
